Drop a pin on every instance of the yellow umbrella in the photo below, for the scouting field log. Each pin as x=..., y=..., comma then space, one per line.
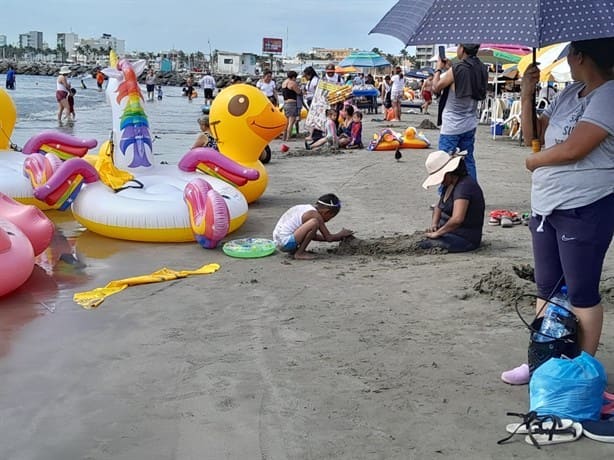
x=545, y=57
x=557, y=71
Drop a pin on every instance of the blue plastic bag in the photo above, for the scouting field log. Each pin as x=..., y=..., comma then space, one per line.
x=569, y=388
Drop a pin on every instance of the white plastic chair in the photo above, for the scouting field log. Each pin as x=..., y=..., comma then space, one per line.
x=542, y=103
x=514, y=119
x=486, y=110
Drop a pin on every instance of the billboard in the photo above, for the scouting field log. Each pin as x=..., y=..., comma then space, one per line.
x=272, y=45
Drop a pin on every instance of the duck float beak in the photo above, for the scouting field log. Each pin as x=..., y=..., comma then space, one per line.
x=268, y=124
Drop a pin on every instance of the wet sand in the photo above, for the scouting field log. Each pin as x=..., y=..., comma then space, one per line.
x=374, y=350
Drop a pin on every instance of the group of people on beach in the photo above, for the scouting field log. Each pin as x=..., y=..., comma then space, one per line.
x=572, y=192
x=342, y=127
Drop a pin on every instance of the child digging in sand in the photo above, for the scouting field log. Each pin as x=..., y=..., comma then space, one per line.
x=303, y=223
x=331, y=133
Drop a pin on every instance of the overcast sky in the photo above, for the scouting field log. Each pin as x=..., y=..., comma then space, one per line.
x=228, y=25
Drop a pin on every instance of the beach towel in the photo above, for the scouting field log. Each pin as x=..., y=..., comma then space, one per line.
x=92, y=299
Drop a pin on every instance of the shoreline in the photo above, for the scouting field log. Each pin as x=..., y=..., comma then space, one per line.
x=170, y=78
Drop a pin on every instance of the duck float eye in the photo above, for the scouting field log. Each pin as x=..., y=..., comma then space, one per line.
x=238, y=105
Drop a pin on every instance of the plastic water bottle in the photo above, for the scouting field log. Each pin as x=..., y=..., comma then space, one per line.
x=555, y=318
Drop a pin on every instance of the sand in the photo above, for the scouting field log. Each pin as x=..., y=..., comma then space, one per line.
x=375, y=350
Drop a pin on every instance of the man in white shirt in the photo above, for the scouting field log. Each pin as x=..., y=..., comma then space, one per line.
x=332, y=77
x=208, y=84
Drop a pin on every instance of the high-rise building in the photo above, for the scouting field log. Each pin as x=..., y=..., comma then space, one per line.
x=67, y=40
x=423, y=54
x=32, y=39
x=2, y=40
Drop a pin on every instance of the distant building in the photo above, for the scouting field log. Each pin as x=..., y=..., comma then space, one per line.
x=298, y=65
x=235, y=63
x=2, y=40
x=68, y=41
x=105, y=42
x=424, y=54
x=32, y=39
x=331, y=54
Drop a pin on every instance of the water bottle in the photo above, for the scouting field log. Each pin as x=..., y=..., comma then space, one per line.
x=555, y=318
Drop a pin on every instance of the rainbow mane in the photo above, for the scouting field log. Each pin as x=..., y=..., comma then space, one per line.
x=134, y=125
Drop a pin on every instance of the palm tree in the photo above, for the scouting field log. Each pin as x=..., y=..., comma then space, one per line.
x=88, y=52
x=181, y=58
x=404, y=54
x=79, y=51
x=390, y=58
x=200, y=60
x=62, y=51
x=213, y=62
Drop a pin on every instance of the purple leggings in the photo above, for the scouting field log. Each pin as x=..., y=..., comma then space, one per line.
x=571, y=249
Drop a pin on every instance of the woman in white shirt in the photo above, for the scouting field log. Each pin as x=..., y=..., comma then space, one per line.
x=267, y=86
x=396, y=92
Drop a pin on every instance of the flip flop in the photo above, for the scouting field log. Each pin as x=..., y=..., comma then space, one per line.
x=521, y=428
x=536, y=424
x=557, y=436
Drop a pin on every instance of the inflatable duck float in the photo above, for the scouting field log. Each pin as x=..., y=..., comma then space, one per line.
x=136, y=199
x=244, y=121
x=387, y=139
x=25, y=232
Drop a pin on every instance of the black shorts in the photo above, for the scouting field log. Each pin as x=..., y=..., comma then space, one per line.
x=150, y=88
x=208, y=93
x=572, y=244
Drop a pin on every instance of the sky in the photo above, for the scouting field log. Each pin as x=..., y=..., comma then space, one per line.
x=226, y=25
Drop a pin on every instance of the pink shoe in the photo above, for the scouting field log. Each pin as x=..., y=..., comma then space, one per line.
x=517, y=376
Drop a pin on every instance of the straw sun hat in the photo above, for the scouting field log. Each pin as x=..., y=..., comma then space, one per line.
x=439, y=163
x=64, y=70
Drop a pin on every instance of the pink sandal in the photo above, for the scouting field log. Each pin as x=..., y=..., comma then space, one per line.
x=518, y=376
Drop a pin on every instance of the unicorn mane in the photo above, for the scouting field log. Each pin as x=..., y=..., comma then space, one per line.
x=130, y=123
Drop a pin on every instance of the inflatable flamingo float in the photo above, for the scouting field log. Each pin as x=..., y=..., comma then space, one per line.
x=25, y=232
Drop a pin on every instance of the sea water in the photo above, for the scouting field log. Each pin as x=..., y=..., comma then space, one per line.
x=172, y=121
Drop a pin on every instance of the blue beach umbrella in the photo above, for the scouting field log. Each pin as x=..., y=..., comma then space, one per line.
x=534, y=23
x=364, y=59
x=422, y=74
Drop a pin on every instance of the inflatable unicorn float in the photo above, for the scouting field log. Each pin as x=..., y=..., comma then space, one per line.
x=57, y=146
x=127, y=196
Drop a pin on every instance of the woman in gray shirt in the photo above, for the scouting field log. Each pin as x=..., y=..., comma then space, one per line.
x=572, y=192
